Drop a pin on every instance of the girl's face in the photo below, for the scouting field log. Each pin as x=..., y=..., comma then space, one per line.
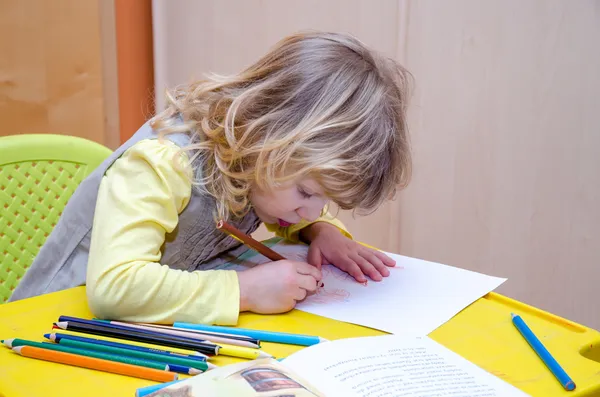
x=290, y=204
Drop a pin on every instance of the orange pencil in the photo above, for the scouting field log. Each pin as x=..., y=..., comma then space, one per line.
x=96, y=363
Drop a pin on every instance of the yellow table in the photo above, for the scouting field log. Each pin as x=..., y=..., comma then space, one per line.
x=483, y=333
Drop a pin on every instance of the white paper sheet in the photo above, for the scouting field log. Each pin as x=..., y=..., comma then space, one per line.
x=416, y=298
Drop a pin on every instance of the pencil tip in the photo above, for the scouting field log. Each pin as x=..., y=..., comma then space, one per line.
x=265, y=355
x=512, y=315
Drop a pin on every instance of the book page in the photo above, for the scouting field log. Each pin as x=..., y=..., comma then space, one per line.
x=256, y=378
x=394, y=366
x=421, y=295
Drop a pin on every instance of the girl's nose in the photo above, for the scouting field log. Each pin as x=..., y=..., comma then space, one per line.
x=308, y=213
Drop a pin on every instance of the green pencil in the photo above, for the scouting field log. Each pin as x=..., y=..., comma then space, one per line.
x=200, y=365
x=90, y=353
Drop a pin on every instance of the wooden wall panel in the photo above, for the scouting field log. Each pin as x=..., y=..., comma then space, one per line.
x=506, y=137
x=51, y=69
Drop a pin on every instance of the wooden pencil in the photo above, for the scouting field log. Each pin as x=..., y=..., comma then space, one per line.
x=186, y=334
x=218, y=334
x=96, y=363
x=249, y=241
x=252, y=243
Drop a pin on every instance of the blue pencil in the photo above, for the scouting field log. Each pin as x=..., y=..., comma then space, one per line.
x=144, y=391
x=58, y=336
x=267, y=336
x=543, y=353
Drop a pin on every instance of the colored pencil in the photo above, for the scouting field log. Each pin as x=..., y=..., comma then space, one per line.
x=128, y=328
x=57, y=337
x=253, y=244
x=242, y=352
x=187, y=334
x=101, y=355
x=162, y=340
x=144, y=391
x=537, y=346
x=249, y=241
x=95, y=363
x=168, y=340
x=267, y=336
x=209, y=333
x=170, y=360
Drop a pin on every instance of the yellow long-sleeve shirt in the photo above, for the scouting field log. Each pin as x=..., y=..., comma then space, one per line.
x=139, y=202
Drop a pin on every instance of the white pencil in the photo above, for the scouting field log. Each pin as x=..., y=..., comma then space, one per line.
x=185, y=333
x=203, y=332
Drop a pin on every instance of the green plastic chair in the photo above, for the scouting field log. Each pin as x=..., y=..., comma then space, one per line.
x=38, y=175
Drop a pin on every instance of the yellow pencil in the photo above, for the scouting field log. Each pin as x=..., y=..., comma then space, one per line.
x=242, y=352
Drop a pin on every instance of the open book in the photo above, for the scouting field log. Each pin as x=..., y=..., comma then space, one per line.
x=377, y=366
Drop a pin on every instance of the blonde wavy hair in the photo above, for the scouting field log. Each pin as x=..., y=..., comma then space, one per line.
x=318, y=105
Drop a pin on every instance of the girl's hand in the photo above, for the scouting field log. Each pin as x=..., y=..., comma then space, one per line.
x=276, y=287
x=328, y=245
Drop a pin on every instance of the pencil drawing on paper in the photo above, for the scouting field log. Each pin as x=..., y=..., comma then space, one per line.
x=332, y=294
x=325, y=295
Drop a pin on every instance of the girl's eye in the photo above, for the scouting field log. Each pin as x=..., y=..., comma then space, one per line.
x=303, y=193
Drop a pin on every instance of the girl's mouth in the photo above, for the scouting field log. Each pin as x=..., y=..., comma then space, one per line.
x=283, y=223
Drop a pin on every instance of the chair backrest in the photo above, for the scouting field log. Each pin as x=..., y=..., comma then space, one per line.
x=38, y=175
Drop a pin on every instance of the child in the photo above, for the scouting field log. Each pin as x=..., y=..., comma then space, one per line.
x=318, y=118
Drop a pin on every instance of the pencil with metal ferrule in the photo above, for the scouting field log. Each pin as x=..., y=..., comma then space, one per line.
x=95, y=363
x=170, y=360
x=57, y=337
x=537, y=346
x=162, y=340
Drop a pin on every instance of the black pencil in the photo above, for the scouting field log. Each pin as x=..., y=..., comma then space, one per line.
x=170, y=341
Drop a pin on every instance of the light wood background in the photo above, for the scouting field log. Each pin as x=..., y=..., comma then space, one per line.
x=52, y=69
x=73, y=67
x=505, y=127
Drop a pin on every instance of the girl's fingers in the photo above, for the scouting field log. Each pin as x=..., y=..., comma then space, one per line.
x=300, y=294
x=353, y=269
x=307, y=283
x=374, y=260
x=367, y=268
x=386, y=260
x=314, y=256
